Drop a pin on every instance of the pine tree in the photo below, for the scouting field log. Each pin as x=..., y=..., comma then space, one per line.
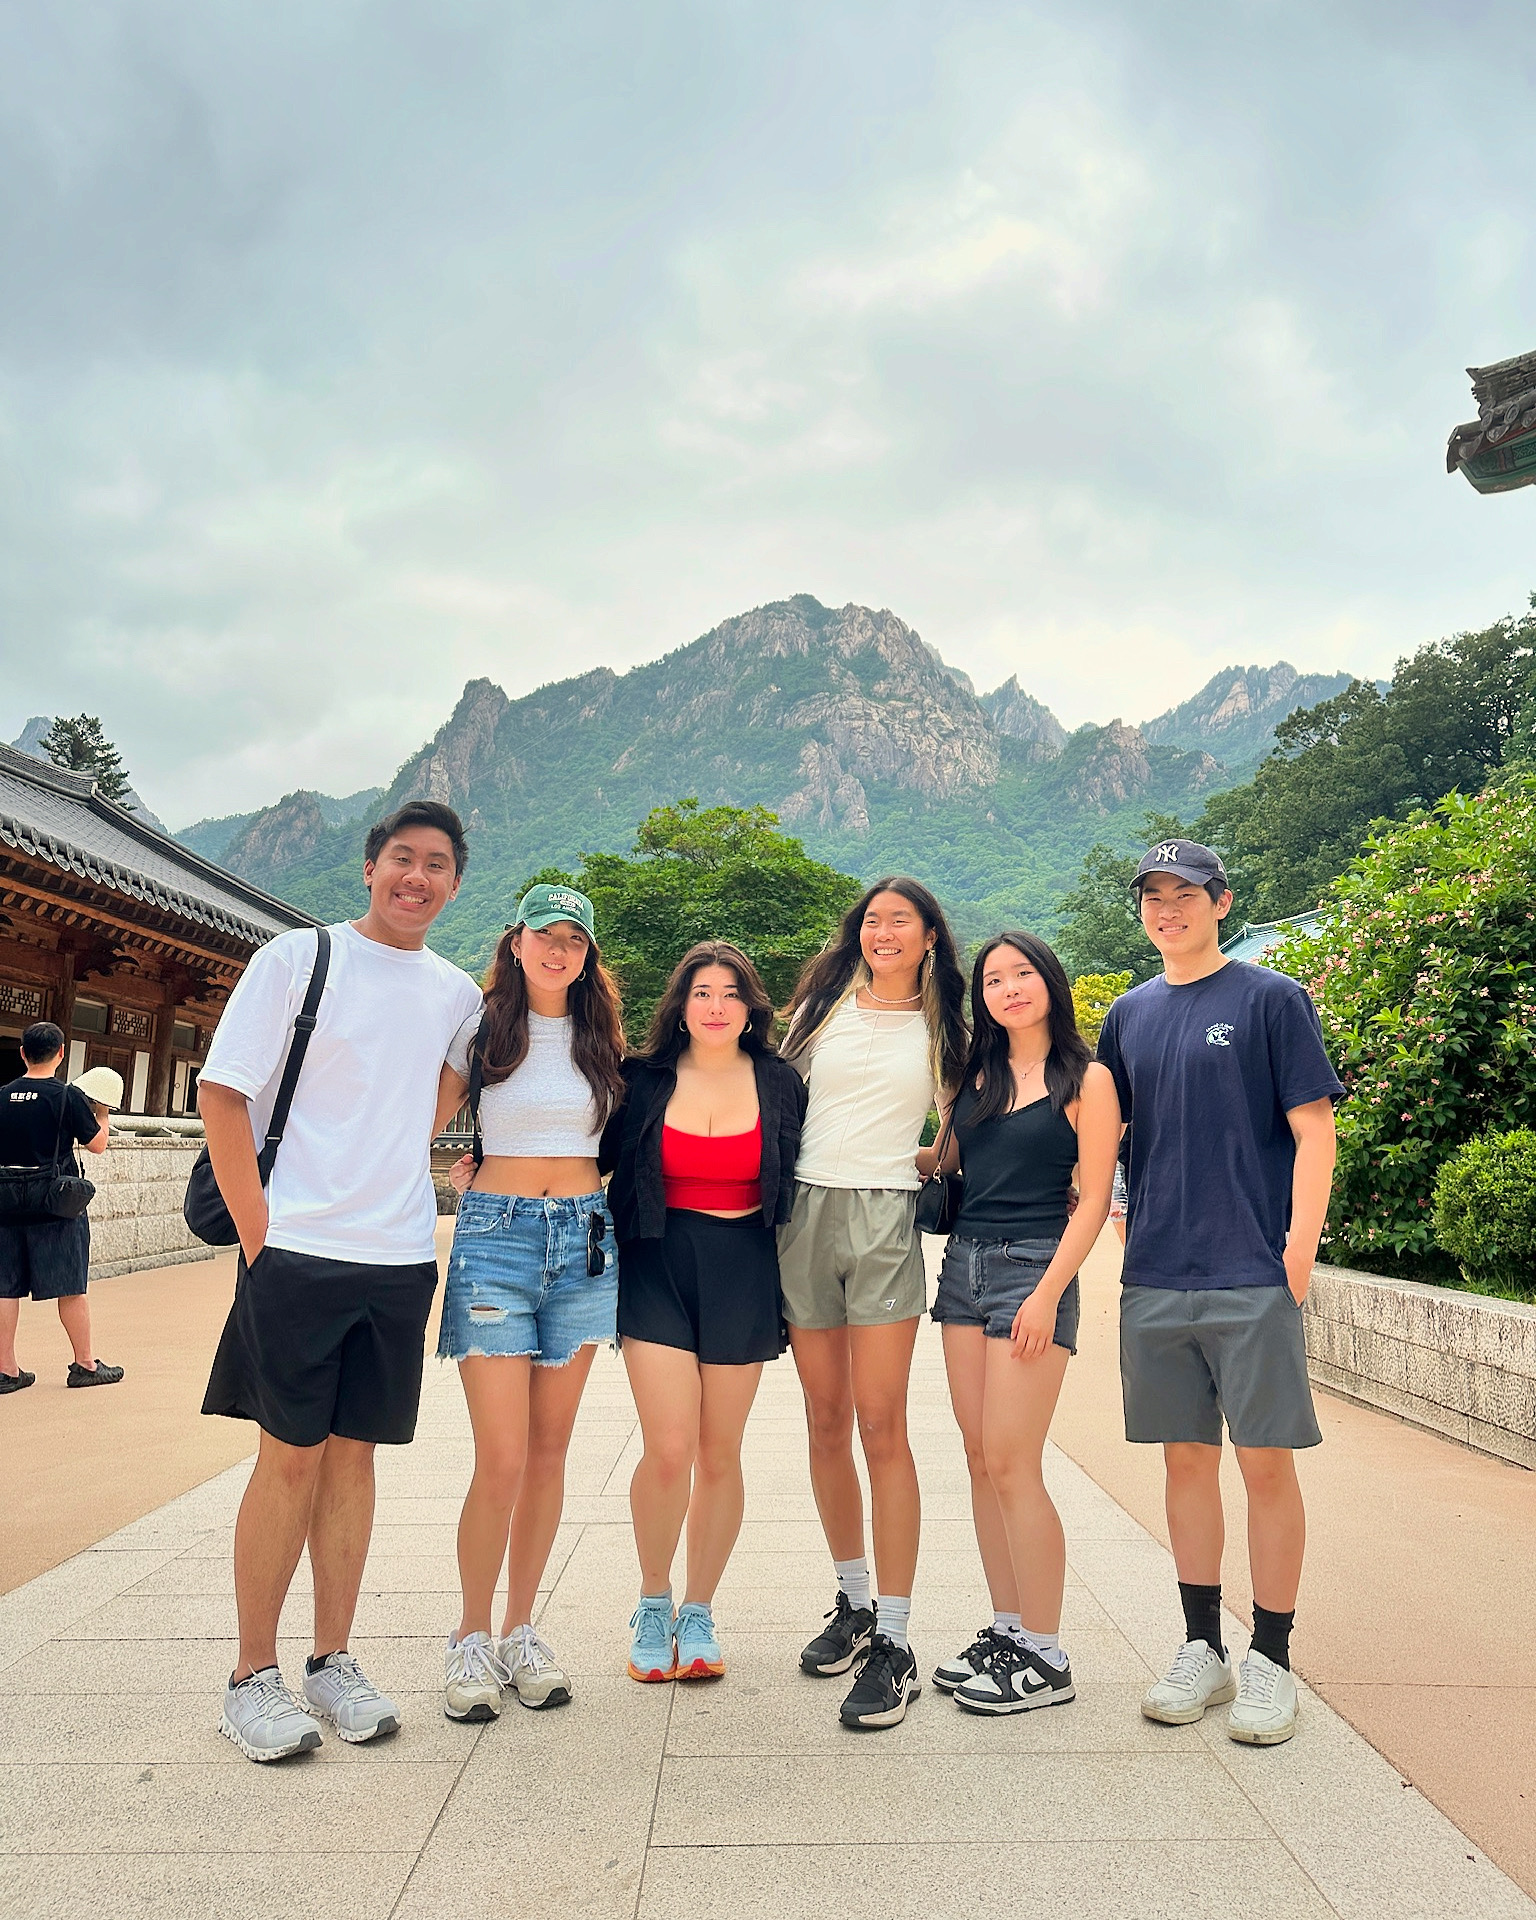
x=81, y=746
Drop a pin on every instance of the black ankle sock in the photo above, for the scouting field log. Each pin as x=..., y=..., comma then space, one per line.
x=1272, y=1634
x=1202, y=1614
x=317, y=1660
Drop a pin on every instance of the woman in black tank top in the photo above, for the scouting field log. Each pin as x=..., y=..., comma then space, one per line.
x=1032, y=1105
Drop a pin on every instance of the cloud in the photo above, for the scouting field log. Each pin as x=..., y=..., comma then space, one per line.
x=348, y=354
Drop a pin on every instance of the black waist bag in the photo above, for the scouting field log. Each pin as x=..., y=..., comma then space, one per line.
x=203, y=1209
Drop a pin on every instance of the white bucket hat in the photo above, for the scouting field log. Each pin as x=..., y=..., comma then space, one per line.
x=103, y=1085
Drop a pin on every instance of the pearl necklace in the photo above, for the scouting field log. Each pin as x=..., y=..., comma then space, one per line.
x=905, y=1001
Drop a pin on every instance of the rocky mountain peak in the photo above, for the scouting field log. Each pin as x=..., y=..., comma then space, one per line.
x=1238, y=709
x=445, y=769
x=1018, y=715
x=277, y=837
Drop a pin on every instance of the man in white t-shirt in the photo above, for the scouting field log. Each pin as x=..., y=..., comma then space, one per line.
x=323, y=1346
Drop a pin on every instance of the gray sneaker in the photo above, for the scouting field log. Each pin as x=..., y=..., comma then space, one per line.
x=264, y=1720
x=343, y=1693
x=537, y=1675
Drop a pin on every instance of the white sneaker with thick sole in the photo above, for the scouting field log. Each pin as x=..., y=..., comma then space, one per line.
x=1264, y=1712
x=344, y=1694
x=537, y=1676
x=264, y=1720
x=1199, y=1678
x=473, y=1677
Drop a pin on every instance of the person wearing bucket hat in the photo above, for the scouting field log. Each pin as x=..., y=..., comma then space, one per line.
x=103, y=1087
x=42, y=1121
x=1228, y=1092
x=532, y=1285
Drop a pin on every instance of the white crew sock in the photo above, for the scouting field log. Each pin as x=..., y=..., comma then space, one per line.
x=1007, y=1623
x=1048, y=1645
x=853, y=1579
x=892, y=1612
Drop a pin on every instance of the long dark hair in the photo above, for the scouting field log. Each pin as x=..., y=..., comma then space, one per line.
x=668, y=1036
x=597, y=1025
x=840, y=969
x=988, y=1070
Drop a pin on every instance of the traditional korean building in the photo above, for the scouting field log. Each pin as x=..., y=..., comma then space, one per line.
x=1497, y=450
x=127, y=939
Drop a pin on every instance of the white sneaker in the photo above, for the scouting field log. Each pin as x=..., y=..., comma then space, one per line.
x=346, y=1696
x=473, y=1677
x=1199, y=1678
x=1264, y=1712
x=534, y=1671
x=264, y=1720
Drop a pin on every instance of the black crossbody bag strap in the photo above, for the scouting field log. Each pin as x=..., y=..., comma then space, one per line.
x=303, y=1026
x=476, y=1085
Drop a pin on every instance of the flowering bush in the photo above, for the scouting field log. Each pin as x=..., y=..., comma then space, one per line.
x=1424, y=975
x=1485, y=1210
x=1092, y=994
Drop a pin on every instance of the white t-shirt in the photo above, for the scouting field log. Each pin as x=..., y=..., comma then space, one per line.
x=353, y=1178
x=871, y=1086
x=544, y=1110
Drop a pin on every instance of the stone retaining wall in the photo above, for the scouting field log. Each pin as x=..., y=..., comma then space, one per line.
x=1461, y=1364
x=136, y=1216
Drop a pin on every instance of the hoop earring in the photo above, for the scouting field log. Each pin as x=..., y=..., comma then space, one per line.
x=682, y=1026
x=515, y=961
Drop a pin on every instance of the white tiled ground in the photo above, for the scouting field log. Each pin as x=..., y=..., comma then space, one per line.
x=740, y=1799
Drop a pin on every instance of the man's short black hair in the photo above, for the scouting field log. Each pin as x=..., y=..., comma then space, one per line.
x=419, y=813
x=41, y=1041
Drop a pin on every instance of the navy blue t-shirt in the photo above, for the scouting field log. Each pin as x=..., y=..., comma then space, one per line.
x=1206, y=1075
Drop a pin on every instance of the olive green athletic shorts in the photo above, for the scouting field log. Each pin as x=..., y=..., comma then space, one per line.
x=851, y=1257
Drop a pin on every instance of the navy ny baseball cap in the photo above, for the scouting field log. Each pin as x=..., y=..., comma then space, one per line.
x=1185, y=858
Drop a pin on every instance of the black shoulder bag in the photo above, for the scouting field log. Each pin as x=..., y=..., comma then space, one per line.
x=35, y=1192
x=203, y=1209
x=938, y=1199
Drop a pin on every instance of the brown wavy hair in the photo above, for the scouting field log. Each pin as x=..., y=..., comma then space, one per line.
x=597, y=1024
x=667, y=1037
x=841, y=969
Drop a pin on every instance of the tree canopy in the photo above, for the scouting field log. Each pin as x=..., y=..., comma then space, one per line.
x=1101, y=931
x=82, y=746
x=708, y=873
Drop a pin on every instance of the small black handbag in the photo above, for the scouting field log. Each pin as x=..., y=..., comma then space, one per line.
x=32, y=1192
x=203, y=1208
x=938, y=1198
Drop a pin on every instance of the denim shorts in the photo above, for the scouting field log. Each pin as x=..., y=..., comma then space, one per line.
x=518, y=1281
x=983, y=1283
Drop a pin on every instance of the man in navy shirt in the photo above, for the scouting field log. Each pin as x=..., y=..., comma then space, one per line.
x=1228, y=1094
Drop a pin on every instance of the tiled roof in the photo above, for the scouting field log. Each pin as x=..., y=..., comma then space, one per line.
x=1256, y=938
x=59, y=817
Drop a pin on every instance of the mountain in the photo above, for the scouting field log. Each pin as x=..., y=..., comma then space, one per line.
x=1236, y=712
x=30, y=740
x=868, y=746
x=217, y=839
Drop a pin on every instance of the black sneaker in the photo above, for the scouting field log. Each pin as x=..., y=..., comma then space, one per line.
x=14, y=1382
x=1016, y=1679
x=952, y=1673
x=101, y=1375
x=887, y=1681
x=847, y=1633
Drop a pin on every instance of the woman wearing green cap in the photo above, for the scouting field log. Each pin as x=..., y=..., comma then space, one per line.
x=533, y=1276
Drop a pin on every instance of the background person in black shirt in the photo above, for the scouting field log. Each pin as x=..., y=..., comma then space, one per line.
x=42, y=1121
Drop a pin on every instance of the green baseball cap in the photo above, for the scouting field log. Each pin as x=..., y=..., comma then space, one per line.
x=543, y=905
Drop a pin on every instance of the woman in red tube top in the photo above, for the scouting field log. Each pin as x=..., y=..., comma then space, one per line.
x=703, y=1156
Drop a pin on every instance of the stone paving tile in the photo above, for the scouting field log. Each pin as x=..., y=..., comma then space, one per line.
x=204, y=1886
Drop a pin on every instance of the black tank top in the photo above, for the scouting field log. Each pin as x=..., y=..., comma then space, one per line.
x=1017, y=1172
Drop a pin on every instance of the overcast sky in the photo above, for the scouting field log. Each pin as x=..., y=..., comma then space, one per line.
x=348, y=351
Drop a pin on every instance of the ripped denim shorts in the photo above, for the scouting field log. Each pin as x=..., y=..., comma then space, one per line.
x=518, y=1280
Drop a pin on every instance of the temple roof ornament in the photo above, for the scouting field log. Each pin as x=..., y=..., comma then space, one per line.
x=1497, y=450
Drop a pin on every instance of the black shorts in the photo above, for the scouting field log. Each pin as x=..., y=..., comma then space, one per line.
x=314, y=1347
x=708, y=1286
x=47, y=1260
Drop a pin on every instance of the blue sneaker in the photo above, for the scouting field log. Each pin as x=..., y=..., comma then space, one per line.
x=698, y=1651
x=651, y=1653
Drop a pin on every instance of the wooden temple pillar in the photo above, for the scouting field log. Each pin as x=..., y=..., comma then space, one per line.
x=158, y=1095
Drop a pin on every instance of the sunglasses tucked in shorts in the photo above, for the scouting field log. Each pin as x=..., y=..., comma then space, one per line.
x=537, y=1278
x=983, y=1283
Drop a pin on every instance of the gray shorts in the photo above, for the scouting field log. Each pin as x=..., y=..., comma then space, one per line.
x=851, y=1257
x=1189, y=1357
x=983, y=1283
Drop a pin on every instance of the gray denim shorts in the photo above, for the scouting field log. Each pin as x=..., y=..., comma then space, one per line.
x=983, y=1283
x=1191, y=1357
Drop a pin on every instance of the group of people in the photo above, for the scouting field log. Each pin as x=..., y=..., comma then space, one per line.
x=709, y=1200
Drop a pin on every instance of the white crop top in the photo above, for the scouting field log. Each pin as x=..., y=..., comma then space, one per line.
x=871, y=1086
x=543, y=1111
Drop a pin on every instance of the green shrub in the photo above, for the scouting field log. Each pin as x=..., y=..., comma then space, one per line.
x=1485, y=1209
x=1424, y=975
x=1092, y=996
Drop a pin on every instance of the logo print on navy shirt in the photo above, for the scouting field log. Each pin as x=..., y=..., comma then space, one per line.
x=1220, y=1034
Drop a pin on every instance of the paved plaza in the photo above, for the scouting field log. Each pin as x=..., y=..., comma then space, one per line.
x=742, y=1798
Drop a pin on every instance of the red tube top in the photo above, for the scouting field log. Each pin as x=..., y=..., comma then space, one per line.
x=713, y=1173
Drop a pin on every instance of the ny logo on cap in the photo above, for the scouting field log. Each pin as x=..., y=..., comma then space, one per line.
x=1169, y=850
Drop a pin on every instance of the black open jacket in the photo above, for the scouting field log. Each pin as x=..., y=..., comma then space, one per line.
x=631, y=1145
